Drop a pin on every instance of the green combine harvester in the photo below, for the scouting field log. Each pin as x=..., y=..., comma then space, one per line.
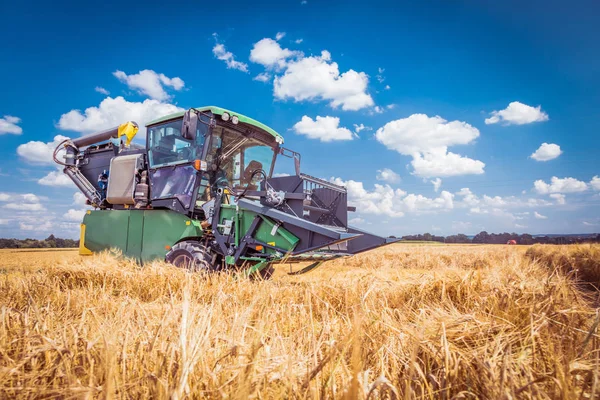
x=201, y=196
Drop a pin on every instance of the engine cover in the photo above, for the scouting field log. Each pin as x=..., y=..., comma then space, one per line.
x=121, y=178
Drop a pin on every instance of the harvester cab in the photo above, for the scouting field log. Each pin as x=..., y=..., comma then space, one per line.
x=201, y=195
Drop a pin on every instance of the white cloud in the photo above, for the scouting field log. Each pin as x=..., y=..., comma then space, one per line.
x=387, y=175
x=8, y=124
x=589, y=223
x=437, y=183
x=558, y=185
x=384, y=200
x=376, y=110
x=46, y=226
x=279, y=36
x=150, y=83
x=468, y=197
x=79, y=199
x=560, y=198
x=595, y=183
x=222, y=54
x=539, y=216
x=298, y=41
x=495, y=201
x=263, y=77
x=387, y=87
x=379, y=75
x=56, y=178
x=326, y=129
x=441, y=163
x=280, y=174
x=113, y=112
x=420, y=133
x=101, y=90
x=495, y=205
x=358, y=128
x=36, y=152
x=356, y=221
x=270, y=54
x=20, y=198
x=74, y=215
x=518, y=114
x=546, y=152
x=426, y=139
x=25, y=206
x=318, y=78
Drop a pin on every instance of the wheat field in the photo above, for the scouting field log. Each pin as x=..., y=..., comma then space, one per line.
x=404, y=321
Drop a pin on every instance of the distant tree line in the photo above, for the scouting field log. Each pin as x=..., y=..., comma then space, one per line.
x=51, y=242
x=503, y=238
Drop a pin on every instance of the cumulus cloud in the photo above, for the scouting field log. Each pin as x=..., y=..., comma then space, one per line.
x=44, y=226
x=21, y=198
x=546, y=152
x=25, y=206
x=437, y=183
x=496, y=204
x=270, y=54
x=537, y=215
x=560, y=185
x=113, y=112
x=74, y=215
x=101, y=90
x=263, y=77
x=221, y=53
x=358, y=128
x=595, y=183
x=22, y=202
x=560, y=198
x=150, y=83
x=79, y=199
x=421, y=133
x=356, y=221
x=36, y=152
x=279, y=36
x=325, y=129
x=387, y=175
x=8, y=125
x=384, y=200
x=318, y=78
x=427, y=139
x=56, y=178
x=517, y=114
x=444, y=163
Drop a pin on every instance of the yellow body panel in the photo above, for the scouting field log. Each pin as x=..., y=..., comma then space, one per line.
x=83, y=251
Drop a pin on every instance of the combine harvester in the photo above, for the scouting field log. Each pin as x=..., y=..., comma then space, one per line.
x=201, y=195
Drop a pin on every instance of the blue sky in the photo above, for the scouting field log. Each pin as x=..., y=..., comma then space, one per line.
x=385, y=97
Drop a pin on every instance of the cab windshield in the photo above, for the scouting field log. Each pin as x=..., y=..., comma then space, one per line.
x=234, y=159
x=166, y=145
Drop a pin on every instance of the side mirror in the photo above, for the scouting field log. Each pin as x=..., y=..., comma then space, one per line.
x=189, y=125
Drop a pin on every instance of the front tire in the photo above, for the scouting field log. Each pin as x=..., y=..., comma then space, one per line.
x=190, y=255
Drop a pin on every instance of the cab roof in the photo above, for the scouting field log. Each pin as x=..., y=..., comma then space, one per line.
x=219, y=111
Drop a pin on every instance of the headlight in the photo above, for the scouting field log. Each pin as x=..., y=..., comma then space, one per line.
x=225, y=116
x=235, y=120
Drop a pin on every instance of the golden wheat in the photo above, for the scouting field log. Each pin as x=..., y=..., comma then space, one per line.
x=400, y=322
